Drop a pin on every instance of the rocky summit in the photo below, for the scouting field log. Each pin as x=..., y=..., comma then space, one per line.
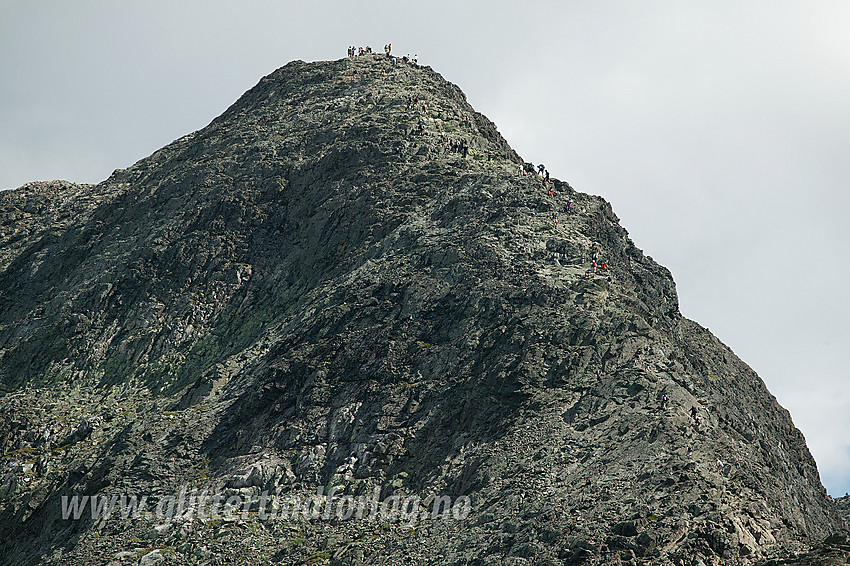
x=345, y=323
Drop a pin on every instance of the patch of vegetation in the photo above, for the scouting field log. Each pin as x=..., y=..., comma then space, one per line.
x=319, y=556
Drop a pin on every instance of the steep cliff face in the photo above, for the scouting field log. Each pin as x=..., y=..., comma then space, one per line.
x=345, y=282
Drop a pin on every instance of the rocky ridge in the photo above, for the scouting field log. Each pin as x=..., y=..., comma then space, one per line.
x=318, y=290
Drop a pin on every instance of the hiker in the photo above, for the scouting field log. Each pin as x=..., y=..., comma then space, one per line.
x=415, y=59
x=540, y=169
x=664, y=401
x=555, y=217
x=693, y=413
x=551, y=191
x=570, y=206
x=697, y=423
x=546, y=175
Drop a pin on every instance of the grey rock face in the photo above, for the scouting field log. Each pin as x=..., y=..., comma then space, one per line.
x=323, y=290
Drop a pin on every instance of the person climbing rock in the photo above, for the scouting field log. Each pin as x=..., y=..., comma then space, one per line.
x=693, y=413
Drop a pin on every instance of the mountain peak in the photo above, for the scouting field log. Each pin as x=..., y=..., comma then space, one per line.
x=350, y=280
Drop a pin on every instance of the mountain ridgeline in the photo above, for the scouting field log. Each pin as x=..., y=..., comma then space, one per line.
x=344, y=282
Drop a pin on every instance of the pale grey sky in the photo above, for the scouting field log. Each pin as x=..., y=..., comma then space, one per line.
x=718, y=130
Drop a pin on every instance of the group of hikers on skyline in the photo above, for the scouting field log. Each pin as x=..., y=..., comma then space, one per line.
x=388, y=48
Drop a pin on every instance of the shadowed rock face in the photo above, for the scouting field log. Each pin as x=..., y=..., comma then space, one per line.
x=317, y=289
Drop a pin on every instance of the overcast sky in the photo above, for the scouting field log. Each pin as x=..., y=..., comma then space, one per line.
x=718, y=130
